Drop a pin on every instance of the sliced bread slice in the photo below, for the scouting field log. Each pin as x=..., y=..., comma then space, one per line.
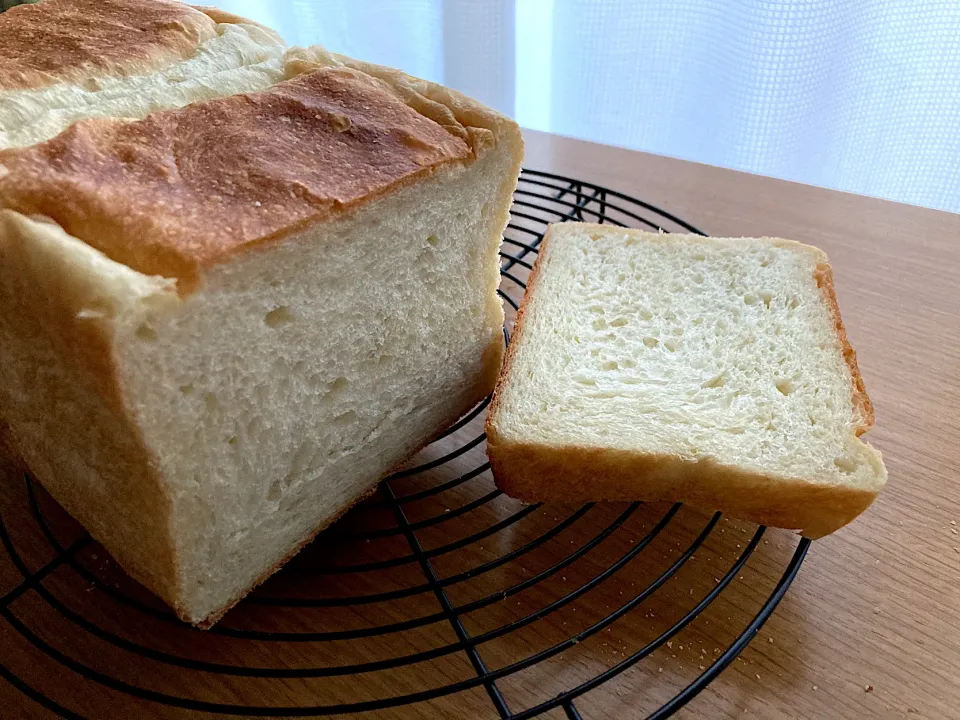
x=714, y=371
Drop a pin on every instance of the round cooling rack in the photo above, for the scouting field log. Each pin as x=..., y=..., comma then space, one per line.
x=437, y=597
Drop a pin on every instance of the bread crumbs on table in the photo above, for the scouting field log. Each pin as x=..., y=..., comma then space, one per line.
x=868, y=688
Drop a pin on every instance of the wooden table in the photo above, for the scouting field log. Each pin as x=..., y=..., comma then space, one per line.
x=870, y=628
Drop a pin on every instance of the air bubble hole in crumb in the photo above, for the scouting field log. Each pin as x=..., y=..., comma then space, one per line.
x=278, y=317
x=845, y=464
x=610, y=365
x=619, y=322
x=277, y=488
x=433, y=241
x=186, y=389
x=345, y=418
x=716, y=381
x=651, y=342
x=145, y=332
x=338, y=385
x=785, y=386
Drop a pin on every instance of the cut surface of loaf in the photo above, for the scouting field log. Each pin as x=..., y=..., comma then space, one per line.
x=223, y=323
x=677, y=367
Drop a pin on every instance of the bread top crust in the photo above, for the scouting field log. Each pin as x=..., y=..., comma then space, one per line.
x=183, y=189
x=80, y=40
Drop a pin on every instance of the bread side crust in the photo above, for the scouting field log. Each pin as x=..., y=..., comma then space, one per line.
x=77, y=302
x=541, y=473
x=490, y=426
x=861, y=401
x=535, y=472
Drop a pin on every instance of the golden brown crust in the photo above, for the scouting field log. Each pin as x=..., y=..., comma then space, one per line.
x=458, y=114
x=185, y=188
x=223, y=17
x=81, y=40
x=540, y=473
x=861, y=401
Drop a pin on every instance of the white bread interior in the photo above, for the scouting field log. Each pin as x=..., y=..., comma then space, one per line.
x=698, y=357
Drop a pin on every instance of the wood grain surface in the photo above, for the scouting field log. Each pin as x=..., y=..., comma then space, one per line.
x=870, y=628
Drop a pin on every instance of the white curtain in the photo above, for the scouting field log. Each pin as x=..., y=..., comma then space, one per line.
x=860, y=95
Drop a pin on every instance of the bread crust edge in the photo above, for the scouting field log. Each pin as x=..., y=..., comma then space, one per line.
x=814, y=509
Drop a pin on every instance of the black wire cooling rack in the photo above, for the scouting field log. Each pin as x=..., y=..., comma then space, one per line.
x=384, y=613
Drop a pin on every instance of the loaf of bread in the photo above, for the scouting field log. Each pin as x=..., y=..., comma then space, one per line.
x=683, y=368
x=238, y=284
